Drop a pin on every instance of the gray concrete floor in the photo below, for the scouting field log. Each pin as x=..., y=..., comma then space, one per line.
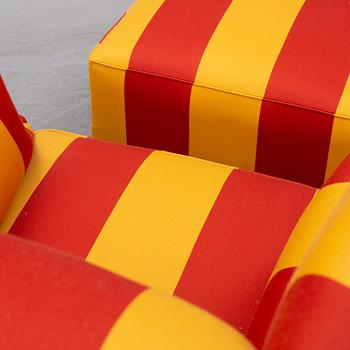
x=44, y=47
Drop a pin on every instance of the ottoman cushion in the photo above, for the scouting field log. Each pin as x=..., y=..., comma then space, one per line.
x=262, y=85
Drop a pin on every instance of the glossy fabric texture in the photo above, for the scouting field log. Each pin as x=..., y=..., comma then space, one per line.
x=199, y=230
x=251, y=78
x=16, y=146
x=51, y=300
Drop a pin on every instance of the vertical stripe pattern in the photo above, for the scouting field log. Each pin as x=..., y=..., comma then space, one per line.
x=48, y=145
x=247, y=83
x=268, y=305
x=157, y=220
x=232, y=77
x=158, y=86
x=303, y=93
x=85, y=180
x=339, y=147
x=16, y=146
x=49, y=300
x=314, y=315
x=107, y=81
x=240, y=244
x=124, y=207
x=12, y=169
x=12, y=121
x=162, y=322
x=341, y=174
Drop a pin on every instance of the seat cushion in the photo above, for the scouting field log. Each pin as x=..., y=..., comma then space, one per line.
x=261, y=85
x=206, y=232
x=16, y=147
x=50, y=300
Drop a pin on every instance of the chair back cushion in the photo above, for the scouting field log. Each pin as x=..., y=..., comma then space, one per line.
x=16, y=147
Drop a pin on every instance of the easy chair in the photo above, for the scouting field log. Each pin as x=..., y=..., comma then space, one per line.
x=262, y=85
x=242, y=246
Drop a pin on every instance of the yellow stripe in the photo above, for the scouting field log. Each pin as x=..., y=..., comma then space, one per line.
x=107, y=102
x=319, y=212
x=340, y=141
x=238, y=60
x=108, y=62
x=12, y=169
x=49, y=144
x=157, y=322
x=153, y=227
x=29, y=128
x=330, y=255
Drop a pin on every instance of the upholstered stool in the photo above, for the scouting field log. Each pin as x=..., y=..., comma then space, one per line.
x=259, y=84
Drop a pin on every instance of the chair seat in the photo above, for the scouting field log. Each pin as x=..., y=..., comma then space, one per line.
x=209, y=233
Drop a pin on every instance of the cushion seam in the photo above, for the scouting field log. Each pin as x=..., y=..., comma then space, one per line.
x=242, y=94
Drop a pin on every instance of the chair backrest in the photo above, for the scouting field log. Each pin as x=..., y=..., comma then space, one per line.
x=16, y=147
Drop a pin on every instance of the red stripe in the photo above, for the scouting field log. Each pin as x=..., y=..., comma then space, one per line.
x=240, y=243
x=341, y=174
x=314, y=315
x=74, y=200
x=268, y=305
x=311, y=71
x=10, y=118
x=163, y=67
x=49, y=300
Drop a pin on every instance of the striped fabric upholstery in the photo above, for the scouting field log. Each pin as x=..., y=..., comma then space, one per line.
x=206, y=232
x=329, y=204
x=16, y=147
x=261, y=85
x=49, y=300
x=314, y=312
